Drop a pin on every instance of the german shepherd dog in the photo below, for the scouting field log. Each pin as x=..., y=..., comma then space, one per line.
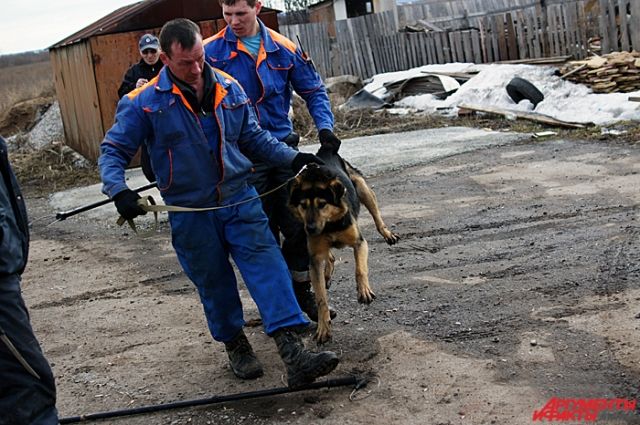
x=326, y=199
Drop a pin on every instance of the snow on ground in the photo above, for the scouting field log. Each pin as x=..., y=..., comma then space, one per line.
x=563, y=100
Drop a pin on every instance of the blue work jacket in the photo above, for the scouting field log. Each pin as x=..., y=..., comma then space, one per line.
x=190, y=169
x=269, y=79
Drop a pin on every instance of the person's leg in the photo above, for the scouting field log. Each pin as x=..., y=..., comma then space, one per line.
x=260, y=262
x=24, y=398
x=198, y=239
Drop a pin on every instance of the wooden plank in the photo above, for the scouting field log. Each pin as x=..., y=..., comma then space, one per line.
x=541, y=13
x=613, y=27
x=495, y=49
x=582, y=30
x=529, y=116
x=80, y=78
x=369, y=33
x=475, y=46
x=415, y=53
x=502, y=41
x=383, y=54
x=355, y=53
x=604, y=27
x=536, y=39
x=58, y=58
x=635, y=25
x=383, y=40
x=521, y=35
x=483, y=40
x=457, y=46
x=569, y=13
x=566, y=37
x=560, y=30
x=438, y=48
x=446, y=47
x=433, y=49
x=551, y=25
x=466, y=46
x=624, y=25
x=341, y=36
x=512, y=43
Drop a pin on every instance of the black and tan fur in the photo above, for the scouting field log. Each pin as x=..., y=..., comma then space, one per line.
x=327, y=200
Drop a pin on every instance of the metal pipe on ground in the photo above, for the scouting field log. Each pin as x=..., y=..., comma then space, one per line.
x=357, y=382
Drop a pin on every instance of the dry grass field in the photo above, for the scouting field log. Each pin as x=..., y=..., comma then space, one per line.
x=24, y=82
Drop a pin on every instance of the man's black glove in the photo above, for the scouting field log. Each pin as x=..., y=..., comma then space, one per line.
x=127, y=204
x=303, y=159
x=328, y=140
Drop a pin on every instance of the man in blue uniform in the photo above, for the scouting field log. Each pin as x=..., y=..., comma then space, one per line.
x=269, y=66
x=27, y=388
x=199, y=126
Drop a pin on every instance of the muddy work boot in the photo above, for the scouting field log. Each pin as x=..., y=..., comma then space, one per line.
x=303, y=366
x=307, y=301
x=243, y=360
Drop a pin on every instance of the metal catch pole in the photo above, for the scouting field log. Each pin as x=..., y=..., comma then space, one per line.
x=357, y=382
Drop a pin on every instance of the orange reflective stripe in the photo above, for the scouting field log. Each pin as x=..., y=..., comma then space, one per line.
x=281, y=39
x=221, y=92
x=177, y=91
x=243, y=48
x=220, y=34
x=262, y=54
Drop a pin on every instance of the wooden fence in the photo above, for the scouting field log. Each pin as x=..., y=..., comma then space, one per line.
x=370, y=44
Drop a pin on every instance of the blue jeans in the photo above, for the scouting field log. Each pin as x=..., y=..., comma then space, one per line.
x=204, y=241
x=24, y=399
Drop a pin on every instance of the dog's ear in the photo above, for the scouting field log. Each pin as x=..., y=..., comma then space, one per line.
x=338, y=190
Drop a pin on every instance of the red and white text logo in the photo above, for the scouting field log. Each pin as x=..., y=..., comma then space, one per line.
x=580, y=409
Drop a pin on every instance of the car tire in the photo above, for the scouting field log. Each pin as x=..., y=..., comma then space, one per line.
x=520, y=89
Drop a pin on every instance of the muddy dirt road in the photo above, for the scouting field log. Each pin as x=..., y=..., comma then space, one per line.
x=517, y=279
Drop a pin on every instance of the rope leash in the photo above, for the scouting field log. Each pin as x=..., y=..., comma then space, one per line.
x=148, y=204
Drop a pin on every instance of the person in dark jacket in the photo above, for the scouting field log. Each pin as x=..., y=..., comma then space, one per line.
x=27, y=388
x=148, y=67
x=269, y=67
x=139, y=75
x=199, y=127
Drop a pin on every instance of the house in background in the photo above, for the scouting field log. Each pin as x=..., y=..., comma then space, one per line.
x=88, y=66
x=331, y=10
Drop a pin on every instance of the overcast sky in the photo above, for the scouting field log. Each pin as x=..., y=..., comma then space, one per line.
x=37, y=24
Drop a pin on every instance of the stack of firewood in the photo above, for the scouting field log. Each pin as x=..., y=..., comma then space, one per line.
x=613, y=72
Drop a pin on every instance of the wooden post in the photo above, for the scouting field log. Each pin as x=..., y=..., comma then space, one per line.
x=541, y=11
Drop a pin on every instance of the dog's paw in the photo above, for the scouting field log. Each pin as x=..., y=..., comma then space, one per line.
x=390, y=237
x=366, y=297
x=323, y=334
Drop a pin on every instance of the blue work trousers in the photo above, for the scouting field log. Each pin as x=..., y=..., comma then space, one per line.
x=204, y=241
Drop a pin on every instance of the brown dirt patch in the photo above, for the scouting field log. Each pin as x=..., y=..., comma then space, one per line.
x=23, y=116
